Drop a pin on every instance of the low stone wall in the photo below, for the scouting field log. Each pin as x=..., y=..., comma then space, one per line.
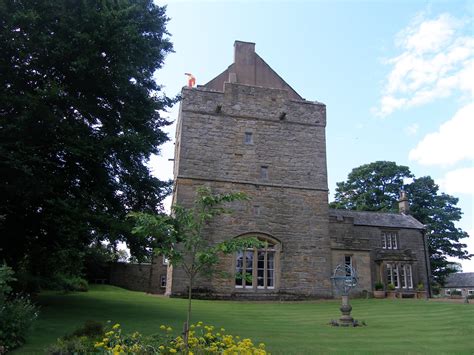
x=138, y=277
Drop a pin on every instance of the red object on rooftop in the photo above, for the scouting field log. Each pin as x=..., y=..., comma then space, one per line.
x=191, y=79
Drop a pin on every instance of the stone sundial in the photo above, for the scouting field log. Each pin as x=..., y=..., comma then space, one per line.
x=345, y=279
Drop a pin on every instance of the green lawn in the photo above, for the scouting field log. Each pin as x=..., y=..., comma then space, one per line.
x=287, y=328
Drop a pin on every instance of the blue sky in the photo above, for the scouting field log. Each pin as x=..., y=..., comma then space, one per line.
x=397, y=77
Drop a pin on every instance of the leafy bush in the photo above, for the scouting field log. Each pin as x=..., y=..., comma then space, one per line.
x=379, y=286
x=202, y=340
x=81, y=341
x=17, y=313
x=470, y=297
x=456, y=293
x=391, y=287
x=420, y=287
x=73, y=345
x=66, y=283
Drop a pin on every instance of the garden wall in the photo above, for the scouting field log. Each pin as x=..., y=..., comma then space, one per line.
x=139, y=277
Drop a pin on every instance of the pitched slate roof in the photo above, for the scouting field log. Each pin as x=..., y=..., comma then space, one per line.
x=460, y=279
x=378, y=219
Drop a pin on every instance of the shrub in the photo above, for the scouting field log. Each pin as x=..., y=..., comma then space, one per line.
x=17, y=313
x=420, y=287
x=66, y=283
x=379, y=286
x=73, y=345
x=203, y=339
x=456, y=293
x=391, y=287
x=81, y=341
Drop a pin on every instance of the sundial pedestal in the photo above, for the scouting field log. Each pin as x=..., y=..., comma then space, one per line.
x=346, y=318
x=344, y=279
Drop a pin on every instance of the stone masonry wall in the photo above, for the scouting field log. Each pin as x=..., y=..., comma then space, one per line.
x=211, y=145
x=347, y=237
x=289, y=205
x=139, y=277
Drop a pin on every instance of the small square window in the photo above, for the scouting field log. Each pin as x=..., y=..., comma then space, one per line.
x=163, y=281
x=256, y=210
x=165, y=260
x=248, y=138
x=264, y=172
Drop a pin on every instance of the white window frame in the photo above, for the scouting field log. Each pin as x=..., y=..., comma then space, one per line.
x=164, y=260
x=447, y=292
x=389, y=240
x=267, y=270
x=406, y=276
x=470, y=292
x=393, y=275
x=410, y=277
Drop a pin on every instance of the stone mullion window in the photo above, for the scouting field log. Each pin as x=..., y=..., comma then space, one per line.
x=255, y=268
x=393, y=276
x=389, y=240
x=403, y=276
x=400, y=275
x=409, y=276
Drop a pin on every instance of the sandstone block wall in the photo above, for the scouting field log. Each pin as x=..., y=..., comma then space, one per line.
x=347, y=238
x=139, y=277
x=289, y=204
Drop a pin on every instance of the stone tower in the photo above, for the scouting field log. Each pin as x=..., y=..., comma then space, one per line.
x=248, y=130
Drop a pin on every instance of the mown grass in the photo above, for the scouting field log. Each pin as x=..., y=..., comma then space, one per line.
x=393, y=326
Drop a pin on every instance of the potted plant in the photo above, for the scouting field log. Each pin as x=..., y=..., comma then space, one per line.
x=379, y=291
x=420, y=290
x=391, y=292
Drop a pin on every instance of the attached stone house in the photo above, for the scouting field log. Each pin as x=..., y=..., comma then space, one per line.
x=460, y=284
x=248, y=130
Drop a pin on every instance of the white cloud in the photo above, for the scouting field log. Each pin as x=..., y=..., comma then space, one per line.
x=459, y=181
x=412, y=129
x=452, y=143
x=436, y=60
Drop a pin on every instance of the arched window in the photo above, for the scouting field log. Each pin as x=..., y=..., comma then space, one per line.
x=256, y=268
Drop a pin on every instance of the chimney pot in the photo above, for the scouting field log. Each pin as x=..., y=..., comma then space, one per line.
x=403, y=205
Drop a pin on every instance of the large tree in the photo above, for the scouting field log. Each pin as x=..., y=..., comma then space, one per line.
x=376, y=187
x=79, y=119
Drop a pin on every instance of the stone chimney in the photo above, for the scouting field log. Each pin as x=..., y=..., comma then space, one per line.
x=403, y=205
x=244, y=63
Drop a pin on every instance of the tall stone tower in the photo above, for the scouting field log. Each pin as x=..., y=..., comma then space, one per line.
x=248, y=130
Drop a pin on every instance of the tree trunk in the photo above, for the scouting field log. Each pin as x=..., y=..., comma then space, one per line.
x=188, y=317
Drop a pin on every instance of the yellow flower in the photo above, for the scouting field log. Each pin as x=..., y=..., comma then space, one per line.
x=161, y=347
x=169, y=329
x=116, y=326
x=105, y=340
x=109, y=333
x=162, y=327
x=173, y=351
x=98, y=345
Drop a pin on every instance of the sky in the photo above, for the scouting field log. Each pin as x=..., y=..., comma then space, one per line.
x=397, y=78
